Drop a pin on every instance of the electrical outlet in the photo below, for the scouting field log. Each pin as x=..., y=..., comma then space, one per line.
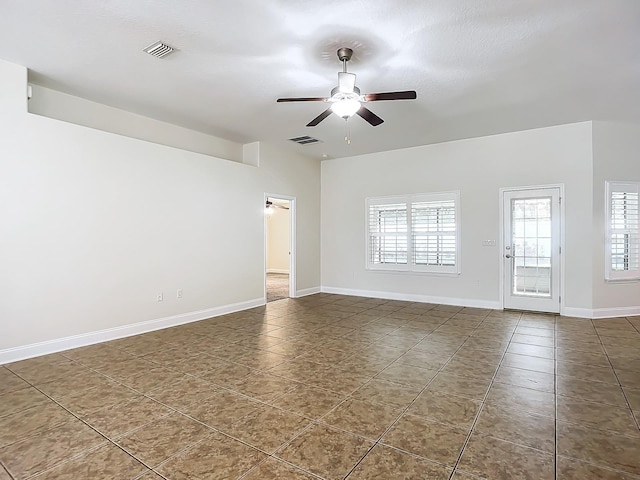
x=160, y=297
x=179, y=293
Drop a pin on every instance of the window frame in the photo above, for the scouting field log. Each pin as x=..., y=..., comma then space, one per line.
x=411, y=266
x=612, y=275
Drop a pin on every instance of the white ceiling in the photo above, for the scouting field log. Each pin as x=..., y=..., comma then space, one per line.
x=479, y=66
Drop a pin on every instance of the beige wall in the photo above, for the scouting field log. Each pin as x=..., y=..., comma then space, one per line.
x=94, y=225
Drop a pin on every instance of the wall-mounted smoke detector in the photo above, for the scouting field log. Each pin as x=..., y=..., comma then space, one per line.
x=159, y=49
x=305, y=140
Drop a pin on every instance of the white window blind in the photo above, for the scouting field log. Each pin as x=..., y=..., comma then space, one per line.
x=623, y=225
x=414, y=233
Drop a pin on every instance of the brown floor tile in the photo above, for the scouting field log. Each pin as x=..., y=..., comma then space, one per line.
x=41, y=452
x=543, y=382
x=531, y=350
x=572, y=469
x=384, y=391
x=274, y=469
x=222, y=409
x=423, y=359
x=10, y=382
x=216, y=457
x=309, y=401
x=469, y=387
x=585, y=358
x=363, y=364
x=526, y=362
x=87, y=401
x=107, y=462
x=523, y=428
x=183, y=392
x=523, y=399
x=265, y=387
x=496, y=459
x=596, y=446
x=629, y=378
x=118, y=419
x=426, y=438
x=152, y=378
x=591, y=391
x=363, y=418
x=157, y=441
x=19, y=400
x=596, y=415
x=228, y=375
x=479, y=354
x=339, y=381
x=31, y=421
x=407, y=374
x=469, y=368
x=633, y=396
x=533, y=340
x=384, y=463
x=45, y=369
x=266, y=428
x=570, y=344
x=538, y=332
x=458, y=411
x=4, y=475
x=74, y=383
x=586, y=372
x=326, y=452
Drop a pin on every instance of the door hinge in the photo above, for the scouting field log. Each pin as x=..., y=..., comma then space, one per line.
x=560, y=200
x=559, y=299
x=560, y=250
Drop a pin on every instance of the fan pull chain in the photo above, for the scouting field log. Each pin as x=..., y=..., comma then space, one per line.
x=347, y=132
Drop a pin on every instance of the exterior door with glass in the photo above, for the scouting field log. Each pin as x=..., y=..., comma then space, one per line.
x=531, y=249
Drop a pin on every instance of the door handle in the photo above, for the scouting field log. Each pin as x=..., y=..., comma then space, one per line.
x=508, y=256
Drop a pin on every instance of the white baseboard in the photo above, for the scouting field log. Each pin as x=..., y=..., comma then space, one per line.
x=278, y=270
x=57, y=345
x=307, y=291
x=616, y=312
x=411, y=297
x=577, y=312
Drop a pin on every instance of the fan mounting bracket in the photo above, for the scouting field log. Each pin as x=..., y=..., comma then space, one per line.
x=344, y=54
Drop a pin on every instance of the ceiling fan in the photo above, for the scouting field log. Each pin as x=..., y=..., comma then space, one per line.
x=270, y=206
x=346, y=99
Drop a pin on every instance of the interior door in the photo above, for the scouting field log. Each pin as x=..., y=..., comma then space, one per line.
x=531, y=249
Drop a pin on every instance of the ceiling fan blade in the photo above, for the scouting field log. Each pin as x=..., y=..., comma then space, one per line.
x=303, y=99
x=320, y=117
x=369, y=116
x=346, y=82
x=406, y=95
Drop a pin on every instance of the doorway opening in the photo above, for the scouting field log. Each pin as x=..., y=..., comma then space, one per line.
x=279, y=247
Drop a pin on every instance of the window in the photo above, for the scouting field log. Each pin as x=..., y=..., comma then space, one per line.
x=416, y=233
x=623, y=231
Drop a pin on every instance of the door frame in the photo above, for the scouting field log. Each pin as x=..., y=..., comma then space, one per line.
x=502, y=191
x=292, y=242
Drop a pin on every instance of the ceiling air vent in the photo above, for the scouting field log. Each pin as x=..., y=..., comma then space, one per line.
x=305, y=140
x=159, y=49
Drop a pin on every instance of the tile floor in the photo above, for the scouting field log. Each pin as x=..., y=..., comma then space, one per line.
x=334, y=387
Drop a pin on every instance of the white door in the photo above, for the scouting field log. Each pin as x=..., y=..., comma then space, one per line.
x=531, y=249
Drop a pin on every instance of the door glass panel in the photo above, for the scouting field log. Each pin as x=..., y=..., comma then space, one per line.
x=531, y=246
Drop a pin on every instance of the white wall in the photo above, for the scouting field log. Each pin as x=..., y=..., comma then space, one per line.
x=58, y=105
x=616, y=157
x=278, y=241
x=477, y=167
x=93, y=225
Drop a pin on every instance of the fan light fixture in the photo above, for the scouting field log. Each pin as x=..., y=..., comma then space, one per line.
x=345, y=107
